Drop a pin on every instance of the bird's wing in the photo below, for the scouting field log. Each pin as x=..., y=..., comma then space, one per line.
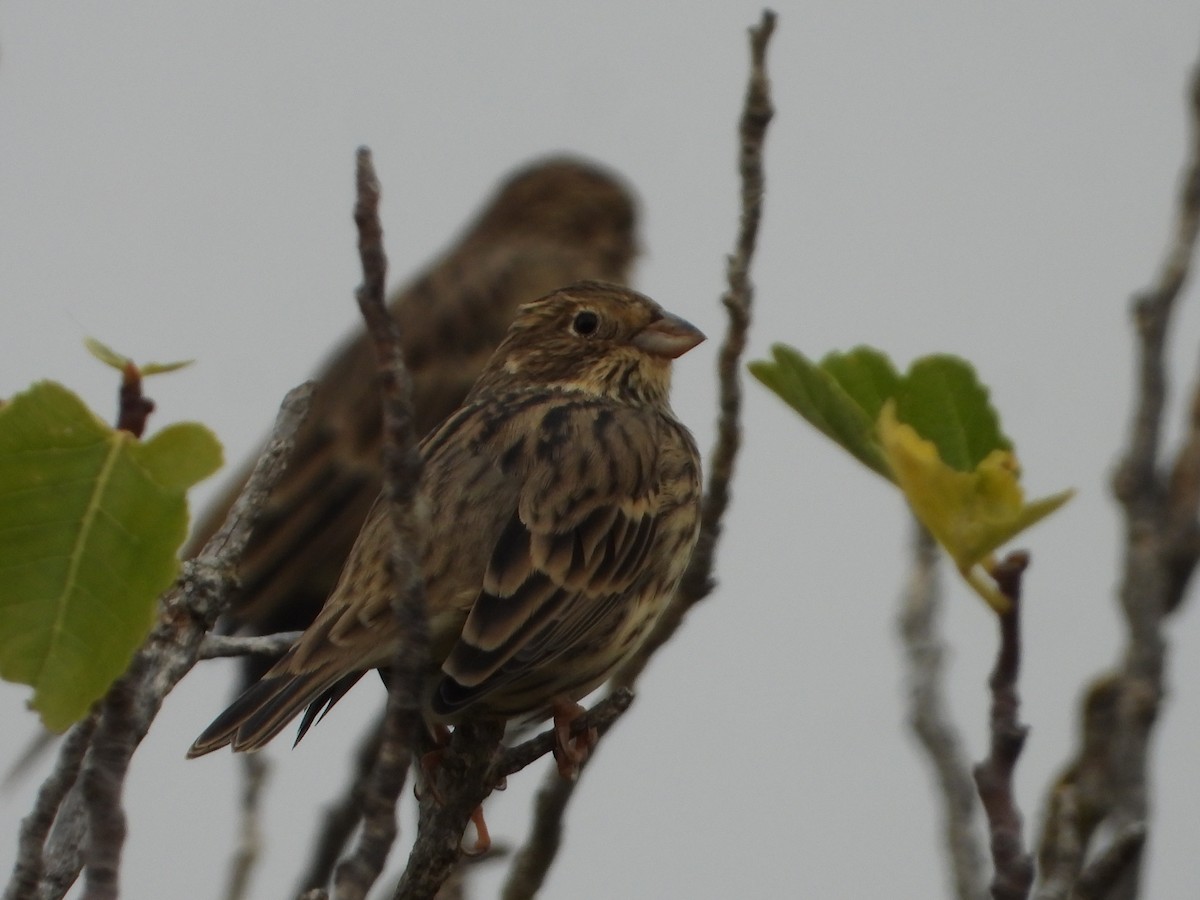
x=586, y=517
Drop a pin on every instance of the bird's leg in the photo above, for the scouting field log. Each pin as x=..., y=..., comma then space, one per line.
x=483, y=840
x=429, y=764
x=570, y=751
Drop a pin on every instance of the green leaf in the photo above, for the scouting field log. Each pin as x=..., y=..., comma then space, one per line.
x=942, y=398
x=179, y=456
x=867, y=375
x=821, y=399
x=933, y=432
x=90, y=522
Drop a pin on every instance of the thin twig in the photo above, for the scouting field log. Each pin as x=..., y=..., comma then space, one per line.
x=1082, y=795
x=342, y=817
x=1013, y=875
x=186, y=612
x=534, y=859
x=1059, y=872
x=218, y=646
x=1107, y=869
x=401, y=479
x=255, y=769
x=27, y=871
x=1161, y=549
x=532, y=862
x=602, y=716
x=103, y=782
x=698, y=583
x=929, y=717
x=133, y=407
x=468, y=773
x=528, y=870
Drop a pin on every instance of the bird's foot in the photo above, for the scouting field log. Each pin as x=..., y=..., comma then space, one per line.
x=430, y=762
x=483, y=840
x=571, y=751
x=429, y=765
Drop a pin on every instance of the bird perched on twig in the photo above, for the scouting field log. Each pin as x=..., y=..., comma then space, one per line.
x=562, y=502
x=555, y=222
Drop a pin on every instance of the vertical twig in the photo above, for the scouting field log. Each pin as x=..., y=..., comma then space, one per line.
x=1109, y=781
x=470, y=767
x=929, y=717
x=35, y=827
x=1013, y=875
x=402, y=472
x=534, y=859
x=254, y=768
x=343, y=816
x=103, y=783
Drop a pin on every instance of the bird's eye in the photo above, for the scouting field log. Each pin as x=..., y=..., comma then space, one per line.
x=585, y=323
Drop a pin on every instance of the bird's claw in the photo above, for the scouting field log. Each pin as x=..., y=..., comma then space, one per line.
x=429, y=764
x=571, y=751
x=483, y=840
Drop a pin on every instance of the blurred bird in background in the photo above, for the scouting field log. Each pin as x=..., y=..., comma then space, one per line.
x=555, y=222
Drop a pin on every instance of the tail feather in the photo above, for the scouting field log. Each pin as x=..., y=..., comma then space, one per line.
x=318, y=709
x=265, y=708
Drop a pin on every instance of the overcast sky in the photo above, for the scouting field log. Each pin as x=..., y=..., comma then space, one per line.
x=992, y=180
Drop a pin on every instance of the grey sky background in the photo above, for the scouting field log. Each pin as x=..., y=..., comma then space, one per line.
x=993, y=180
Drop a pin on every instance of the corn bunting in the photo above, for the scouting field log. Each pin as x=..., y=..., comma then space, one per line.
x=562, y=502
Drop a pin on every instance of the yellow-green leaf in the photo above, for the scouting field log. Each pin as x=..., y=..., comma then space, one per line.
x=822, y=398
x=944, y=400
x=970, y=514
x=111, y=357
x=90, y=523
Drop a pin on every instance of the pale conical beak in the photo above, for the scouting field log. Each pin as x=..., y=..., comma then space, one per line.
x=669, y=336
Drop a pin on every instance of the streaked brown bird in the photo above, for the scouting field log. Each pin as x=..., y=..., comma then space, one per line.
x=562, y=503
x=557, y=221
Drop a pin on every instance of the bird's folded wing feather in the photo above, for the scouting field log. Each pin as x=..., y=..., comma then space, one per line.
x=586, y=517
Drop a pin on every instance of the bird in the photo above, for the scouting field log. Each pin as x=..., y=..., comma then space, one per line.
x=561, y=508
x=555, y=221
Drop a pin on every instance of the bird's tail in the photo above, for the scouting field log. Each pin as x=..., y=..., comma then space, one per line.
x=266, y=707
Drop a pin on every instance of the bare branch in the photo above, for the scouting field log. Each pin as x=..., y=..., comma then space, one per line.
x=1013, y=874
x=1137, y=482
x=1107, y=783
x=342, y=816
x=533, y=860
x=536, y=856
x=133, y=407
x=255, y=769
x=187, y=611
x=1060, y=869
x=1109, y=867
x=602, y=716
x=217, y=646
x=27, y=871
x=468, y=773
x=226, y=546
x=1083, y=794
x=698, y=583
x=103, y=782
x=929, y=717
x=402, y=472
x=1183, y=504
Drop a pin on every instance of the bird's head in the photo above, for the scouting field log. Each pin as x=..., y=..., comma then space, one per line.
x=594, y=337
x=570, y=203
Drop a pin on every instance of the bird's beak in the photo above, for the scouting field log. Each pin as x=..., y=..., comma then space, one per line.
x=669, y=336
